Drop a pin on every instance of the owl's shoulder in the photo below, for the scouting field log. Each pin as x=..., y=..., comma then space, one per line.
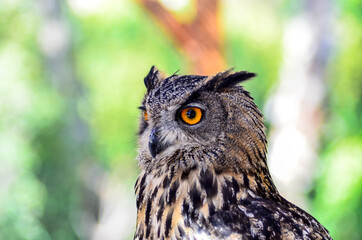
x=259, y=218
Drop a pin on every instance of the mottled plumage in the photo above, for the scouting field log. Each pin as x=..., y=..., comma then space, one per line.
x=209, y=179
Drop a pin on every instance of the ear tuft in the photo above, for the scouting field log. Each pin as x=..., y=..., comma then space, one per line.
x=227, y=79
x=152, y=78
x=235, y=78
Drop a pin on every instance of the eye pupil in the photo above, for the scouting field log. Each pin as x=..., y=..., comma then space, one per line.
x=191, y=113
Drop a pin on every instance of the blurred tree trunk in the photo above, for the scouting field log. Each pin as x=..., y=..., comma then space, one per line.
x=296, y=105
x=199, y=41
x=64, y=145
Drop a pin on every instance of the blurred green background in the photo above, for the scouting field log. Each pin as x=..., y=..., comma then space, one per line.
x=71, y=79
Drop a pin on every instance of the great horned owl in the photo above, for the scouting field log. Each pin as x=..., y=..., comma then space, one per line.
x=203, y=160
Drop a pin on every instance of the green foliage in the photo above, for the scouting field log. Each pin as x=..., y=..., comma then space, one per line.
x=339, y=190
x=43, y=194
x=114, y=56
x=254, y=47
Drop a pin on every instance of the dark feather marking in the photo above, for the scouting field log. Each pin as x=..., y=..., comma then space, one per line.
x=140, y=196
x=255, y=155
x=218, y=171
x=225, y=205
x=208, y=183
x=172, y=193
x=172, y=172
x=161, y=205
x=181, y=231
x=193, y=158
x=143, y=127
x=253, y=110
x=228, y=195
x=185, y=174
x=141, y=235
x=235, y=185
x=246, y=181
x=194, y=96
x=168, y=223
x=159, y=231
x=262, y=136
x=136, y=185
x=202, y=224
x=185, y=213
x=154, y=193
x=148, y=231
x=143, y=180
x=211, y=209
x=195, y=196
x=244, y=202
x=166, y=182
x=223, y=220
x=157, y=93
x=261, y=155
x=256, y=122
x=147, y=218
x=248, y=156
x=187, y=222
x=214, y=153
x=185, y=208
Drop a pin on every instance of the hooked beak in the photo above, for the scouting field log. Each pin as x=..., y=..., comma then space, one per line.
x=154, y=144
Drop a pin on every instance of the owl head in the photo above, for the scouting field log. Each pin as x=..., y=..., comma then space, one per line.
x=190, y=120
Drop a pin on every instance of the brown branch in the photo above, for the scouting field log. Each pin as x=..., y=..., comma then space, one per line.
x=199, y=40
x=166, y=19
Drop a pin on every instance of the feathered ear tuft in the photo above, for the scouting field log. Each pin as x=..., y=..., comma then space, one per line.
x=227, y=79
x=235, y=78
x=152, y=78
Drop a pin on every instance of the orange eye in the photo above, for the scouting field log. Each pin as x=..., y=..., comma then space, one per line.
x=191, y=115
x=145, y=116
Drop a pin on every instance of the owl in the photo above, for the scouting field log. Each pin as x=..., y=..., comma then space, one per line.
x=204, y=174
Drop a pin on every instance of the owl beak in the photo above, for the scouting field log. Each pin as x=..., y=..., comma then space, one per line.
x=154, y=144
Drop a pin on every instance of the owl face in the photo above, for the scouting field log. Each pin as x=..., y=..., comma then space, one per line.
x=182, y=114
